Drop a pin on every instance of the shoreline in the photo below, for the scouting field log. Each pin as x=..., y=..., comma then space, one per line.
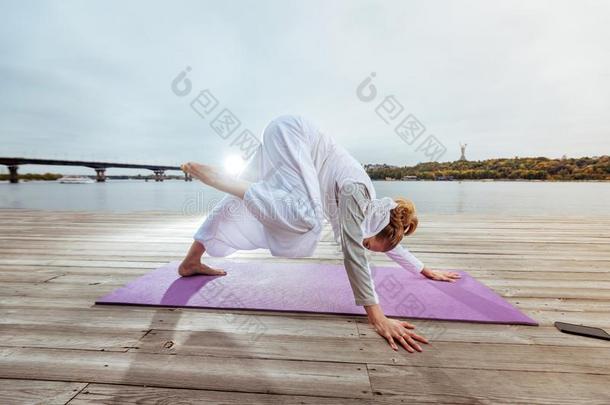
x=498, y=181
x=378, y=180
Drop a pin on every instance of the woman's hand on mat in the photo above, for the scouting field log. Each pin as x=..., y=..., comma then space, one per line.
x=394, y=331
x=450, y=276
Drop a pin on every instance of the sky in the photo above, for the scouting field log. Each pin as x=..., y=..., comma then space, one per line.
x=93, y=79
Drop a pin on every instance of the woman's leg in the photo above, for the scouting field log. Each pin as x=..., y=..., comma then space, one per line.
x=209, y=175
x=191, y=265
x=215, y=178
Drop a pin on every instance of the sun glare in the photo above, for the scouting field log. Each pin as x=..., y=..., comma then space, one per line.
x=234, y=164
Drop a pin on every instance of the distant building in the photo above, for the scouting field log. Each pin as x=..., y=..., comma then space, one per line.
x=409, y=178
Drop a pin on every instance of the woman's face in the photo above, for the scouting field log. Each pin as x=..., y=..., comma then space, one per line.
x=375, y=244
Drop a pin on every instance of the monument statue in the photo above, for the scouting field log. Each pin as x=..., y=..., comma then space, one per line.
x=463, y=149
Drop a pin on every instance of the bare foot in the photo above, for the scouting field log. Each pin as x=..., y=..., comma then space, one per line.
x=206, y=173
x=216, y=178
x=187, y=269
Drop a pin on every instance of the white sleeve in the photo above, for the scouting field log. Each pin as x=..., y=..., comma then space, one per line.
x=354, y=258
x=405, y=259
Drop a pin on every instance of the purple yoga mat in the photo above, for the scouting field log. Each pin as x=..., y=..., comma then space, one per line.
x=320, y=288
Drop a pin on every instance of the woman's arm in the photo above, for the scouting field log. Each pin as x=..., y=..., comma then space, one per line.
x=408, y=261
x=352, y=202
x=405, y=259
x=351, y=211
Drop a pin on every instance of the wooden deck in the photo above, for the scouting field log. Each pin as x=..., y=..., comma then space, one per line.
x=57, y=347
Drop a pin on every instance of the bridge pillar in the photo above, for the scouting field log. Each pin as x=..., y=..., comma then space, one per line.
x=187, y=177
x=13, y=177
x=159, y=175
x=101, y=175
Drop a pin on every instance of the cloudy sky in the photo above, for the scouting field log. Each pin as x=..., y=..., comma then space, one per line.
x=92, y=79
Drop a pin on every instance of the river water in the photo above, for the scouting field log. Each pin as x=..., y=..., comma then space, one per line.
x=485, y=197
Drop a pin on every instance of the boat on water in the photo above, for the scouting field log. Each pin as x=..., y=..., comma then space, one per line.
x=75, y=180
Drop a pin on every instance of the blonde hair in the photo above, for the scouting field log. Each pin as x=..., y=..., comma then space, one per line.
x=403, y=222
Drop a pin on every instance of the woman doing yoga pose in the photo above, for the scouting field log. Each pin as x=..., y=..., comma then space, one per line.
x=298, y=177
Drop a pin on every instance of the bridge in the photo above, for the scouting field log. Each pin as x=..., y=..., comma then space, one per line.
x=13, y=164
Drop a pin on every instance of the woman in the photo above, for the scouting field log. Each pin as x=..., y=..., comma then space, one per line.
x=297, y=177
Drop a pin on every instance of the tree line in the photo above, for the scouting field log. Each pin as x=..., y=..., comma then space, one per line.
x=533, y=168
x=33, y=176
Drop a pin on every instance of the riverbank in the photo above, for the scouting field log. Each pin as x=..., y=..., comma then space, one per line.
x=529, y=168
x=180, y=178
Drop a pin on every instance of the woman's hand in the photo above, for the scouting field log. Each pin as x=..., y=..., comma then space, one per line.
x=450, y=276
x=393, y=330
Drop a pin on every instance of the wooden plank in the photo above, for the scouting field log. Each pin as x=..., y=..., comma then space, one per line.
x=69, y=337
x=490, y=246
x=447, y=385
x=445, y=354
x=482, y=275
x=30, y=276
x=130, y=395
x=86, y=268
x=438, y=331
x=552, y=305
x=21, y=392
x=81, y=263
x=25, y=302
x=132, y=235
x=216, y=373
x=465, y=263
x=319, y=254
x=181, y=239
x=547, y=284
x=543, y=316
x=560, y=304
x=558, y=292
x=132, y=318
x=451, y=223
x=435, y=263
x=134, y=272
x=163, y=243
